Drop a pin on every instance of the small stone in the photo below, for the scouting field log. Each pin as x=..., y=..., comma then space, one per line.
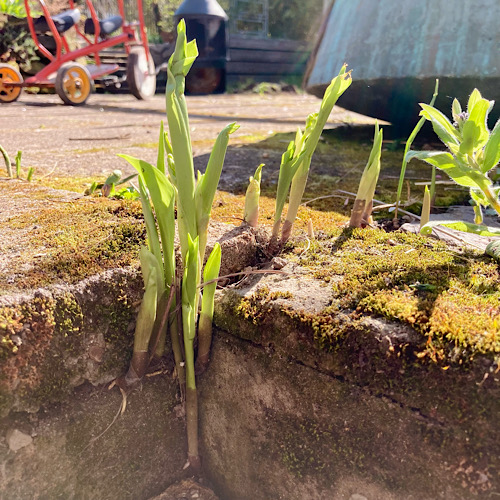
x=16, y=339
x=17, y=439
x=96, y=353
x=357, y=496
x=278, y=263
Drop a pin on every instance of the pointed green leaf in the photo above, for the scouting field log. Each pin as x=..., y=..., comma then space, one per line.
x=252, y=197
x=190, y=282
x=163, y=197
x=211, y=272
x=470, y=137
x=473, y=99
x=456, y=110
x=147, y=311
x=491, y=155
x=160, y=162
x=479, y=116
x=369, y=178
x=426, y=208
x=151, y=230
x=441, y=125
x=206, y=189
x=458, y=171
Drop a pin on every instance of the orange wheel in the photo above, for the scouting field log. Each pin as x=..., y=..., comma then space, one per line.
x=9, y=74
x=73, y=84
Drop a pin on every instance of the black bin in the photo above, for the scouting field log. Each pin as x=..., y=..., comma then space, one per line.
x=207, y=22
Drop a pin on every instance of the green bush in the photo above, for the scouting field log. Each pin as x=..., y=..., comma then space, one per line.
x=16, y=43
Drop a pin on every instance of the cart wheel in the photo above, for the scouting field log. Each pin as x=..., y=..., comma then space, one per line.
x=9, y=74
x=141, y=74
x=73, y=84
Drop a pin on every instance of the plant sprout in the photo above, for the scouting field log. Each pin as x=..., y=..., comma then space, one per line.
x=426, y=208
x=473, y=151
x=17, y=160
x=296, y=160
x=168, y=185
x=363, y=204
x=6, y=158
x=251, y=213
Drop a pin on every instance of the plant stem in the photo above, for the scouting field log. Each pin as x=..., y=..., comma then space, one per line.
x=494, y=202
x=7, y=161
x=409, y=142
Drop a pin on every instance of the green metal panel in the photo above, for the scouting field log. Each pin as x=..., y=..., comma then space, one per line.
x=397, y=48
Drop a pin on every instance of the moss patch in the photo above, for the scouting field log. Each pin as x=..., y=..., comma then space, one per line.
x=64, y=242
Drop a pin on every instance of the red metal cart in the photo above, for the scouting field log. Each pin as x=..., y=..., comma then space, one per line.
x=73, y=81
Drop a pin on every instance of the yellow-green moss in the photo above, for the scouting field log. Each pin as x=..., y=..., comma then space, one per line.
x=66, y=242
x=453, y=300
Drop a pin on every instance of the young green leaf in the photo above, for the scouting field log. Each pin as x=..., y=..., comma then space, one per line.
x=306, y=144
x=491, y=155
x=363, y=203
x=163, y=197
x=17, y=159
x=151, y=230
x=460, y=172
x=160, y=162
x=441, y=125
x=147, y=312
x=211, y=273
x=208, y=182
x=426, y=208
x=473, y=99
x=456, y=110
x=286, y=173
x=252, y=197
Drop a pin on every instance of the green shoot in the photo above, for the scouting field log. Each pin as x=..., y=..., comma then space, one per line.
x=473, y=151
x=17, y=159
x=6, y=158
x=296, y=160
x=31, y=171
x=144, y=325
x=169, y=185
x=210, y=275
x=207, y=185
x=409, y=142
x=426, y=208
x=363, y=204
x=108, y=188
x=252, y=196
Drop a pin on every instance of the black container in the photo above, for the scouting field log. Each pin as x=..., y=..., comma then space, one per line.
x=206, y=21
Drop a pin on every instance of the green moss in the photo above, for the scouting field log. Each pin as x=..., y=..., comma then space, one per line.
x=452, y=300
x=72, y=241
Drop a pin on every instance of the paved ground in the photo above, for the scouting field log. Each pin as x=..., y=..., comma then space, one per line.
x=84, y=141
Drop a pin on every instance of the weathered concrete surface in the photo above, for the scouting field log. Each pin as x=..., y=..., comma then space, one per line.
x=364, y=414
x=76, y=454
x=274, y=428
x=54, y=339
x=63, y=140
